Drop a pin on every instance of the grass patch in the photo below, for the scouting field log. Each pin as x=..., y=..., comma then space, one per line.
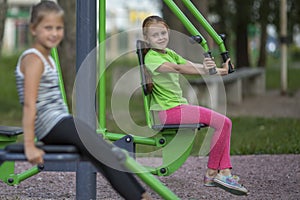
x=273, y=79
x=254, y=135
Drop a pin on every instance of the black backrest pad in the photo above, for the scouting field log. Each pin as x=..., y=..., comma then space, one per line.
x=141, y=50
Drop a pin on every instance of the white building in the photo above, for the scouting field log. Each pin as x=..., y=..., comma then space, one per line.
x=16, y=25
x=124, y=14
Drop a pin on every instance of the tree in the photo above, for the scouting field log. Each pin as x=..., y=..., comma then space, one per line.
x=67, y=49
x=3, y=11
x=263, y=12
x=242, y=19
x=235, y=16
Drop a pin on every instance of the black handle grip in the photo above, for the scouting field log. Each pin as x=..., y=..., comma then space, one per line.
x=211, y=70
x=195, y=39
x=225, y=57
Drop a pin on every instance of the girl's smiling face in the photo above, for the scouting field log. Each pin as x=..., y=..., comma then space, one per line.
x=49, y=31
x=157, y=36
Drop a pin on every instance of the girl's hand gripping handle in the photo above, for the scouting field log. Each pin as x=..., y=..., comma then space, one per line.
x=211, y=70
x=225, y=57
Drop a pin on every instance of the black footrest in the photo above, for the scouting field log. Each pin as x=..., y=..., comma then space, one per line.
x=57, y=157
x=19, y=148
x=56, y=153
x=178, y=126
x=10, y=130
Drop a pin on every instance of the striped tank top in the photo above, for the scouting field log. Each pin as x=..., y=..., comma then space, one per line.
x=50, y=106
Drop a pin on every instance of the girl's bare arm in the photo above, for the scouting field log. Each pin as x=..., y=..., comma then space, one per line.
x=193, y=68
x=188, y=68
x=32, y=68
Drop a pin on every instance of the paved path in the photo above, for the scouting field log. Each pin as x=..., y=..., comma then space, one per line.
x=271, y=104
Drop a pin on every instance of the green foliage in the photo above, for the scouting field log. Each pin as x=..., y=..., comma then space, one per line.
x=295, y=52
x=10, y=109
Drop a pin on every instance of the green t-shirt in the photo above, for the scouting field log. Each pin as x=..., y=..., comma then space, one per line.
x=167, y=92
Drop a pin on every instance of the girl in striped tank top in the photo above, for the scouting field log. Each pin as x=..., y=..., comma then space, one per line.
x=45, y=115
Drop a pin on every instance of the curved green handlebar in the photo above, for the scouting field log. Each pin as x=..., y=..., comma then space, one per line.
x=186, y=22
x=195, y=33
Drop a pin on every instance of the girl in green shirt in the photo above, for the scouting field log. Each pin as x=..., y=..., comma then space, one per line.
x=165, y=65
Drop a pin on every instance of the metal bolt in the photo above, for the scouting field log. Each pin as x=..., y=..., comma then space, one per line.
x=10, y=180
x=162, y=141
x=128, y=139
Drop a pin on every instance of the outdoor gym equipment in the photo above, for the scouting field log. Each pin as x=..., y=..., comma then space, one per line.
x=174, y=140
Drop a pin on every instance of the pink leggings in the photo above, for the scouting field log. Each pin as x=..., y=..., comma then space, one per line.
x=219, y=156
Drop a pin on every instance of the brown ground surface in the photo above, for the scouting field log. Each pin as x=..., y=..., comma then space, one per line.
x=266, y=176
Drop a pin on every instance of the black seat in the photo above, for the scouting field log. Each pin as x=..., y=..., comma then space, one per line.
x=10, y=130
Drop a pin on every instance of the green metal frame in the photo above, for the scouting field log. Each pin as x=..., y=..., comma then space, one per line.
x=55, y=56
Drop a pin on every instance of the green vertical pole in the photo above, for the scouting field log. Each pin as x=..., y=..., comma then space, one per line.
x=54, y=55
x=205, y=24
x=101, y=69
x=189, y=26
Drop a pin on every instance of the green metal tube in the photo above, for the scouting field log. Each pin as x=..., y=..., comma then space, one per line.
x=54, y=55
x=189, y=26
x=27, y=174
x=149, y=179
x=146, y=108
x=200, y=18
x=101, y=69
x=16, y=179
